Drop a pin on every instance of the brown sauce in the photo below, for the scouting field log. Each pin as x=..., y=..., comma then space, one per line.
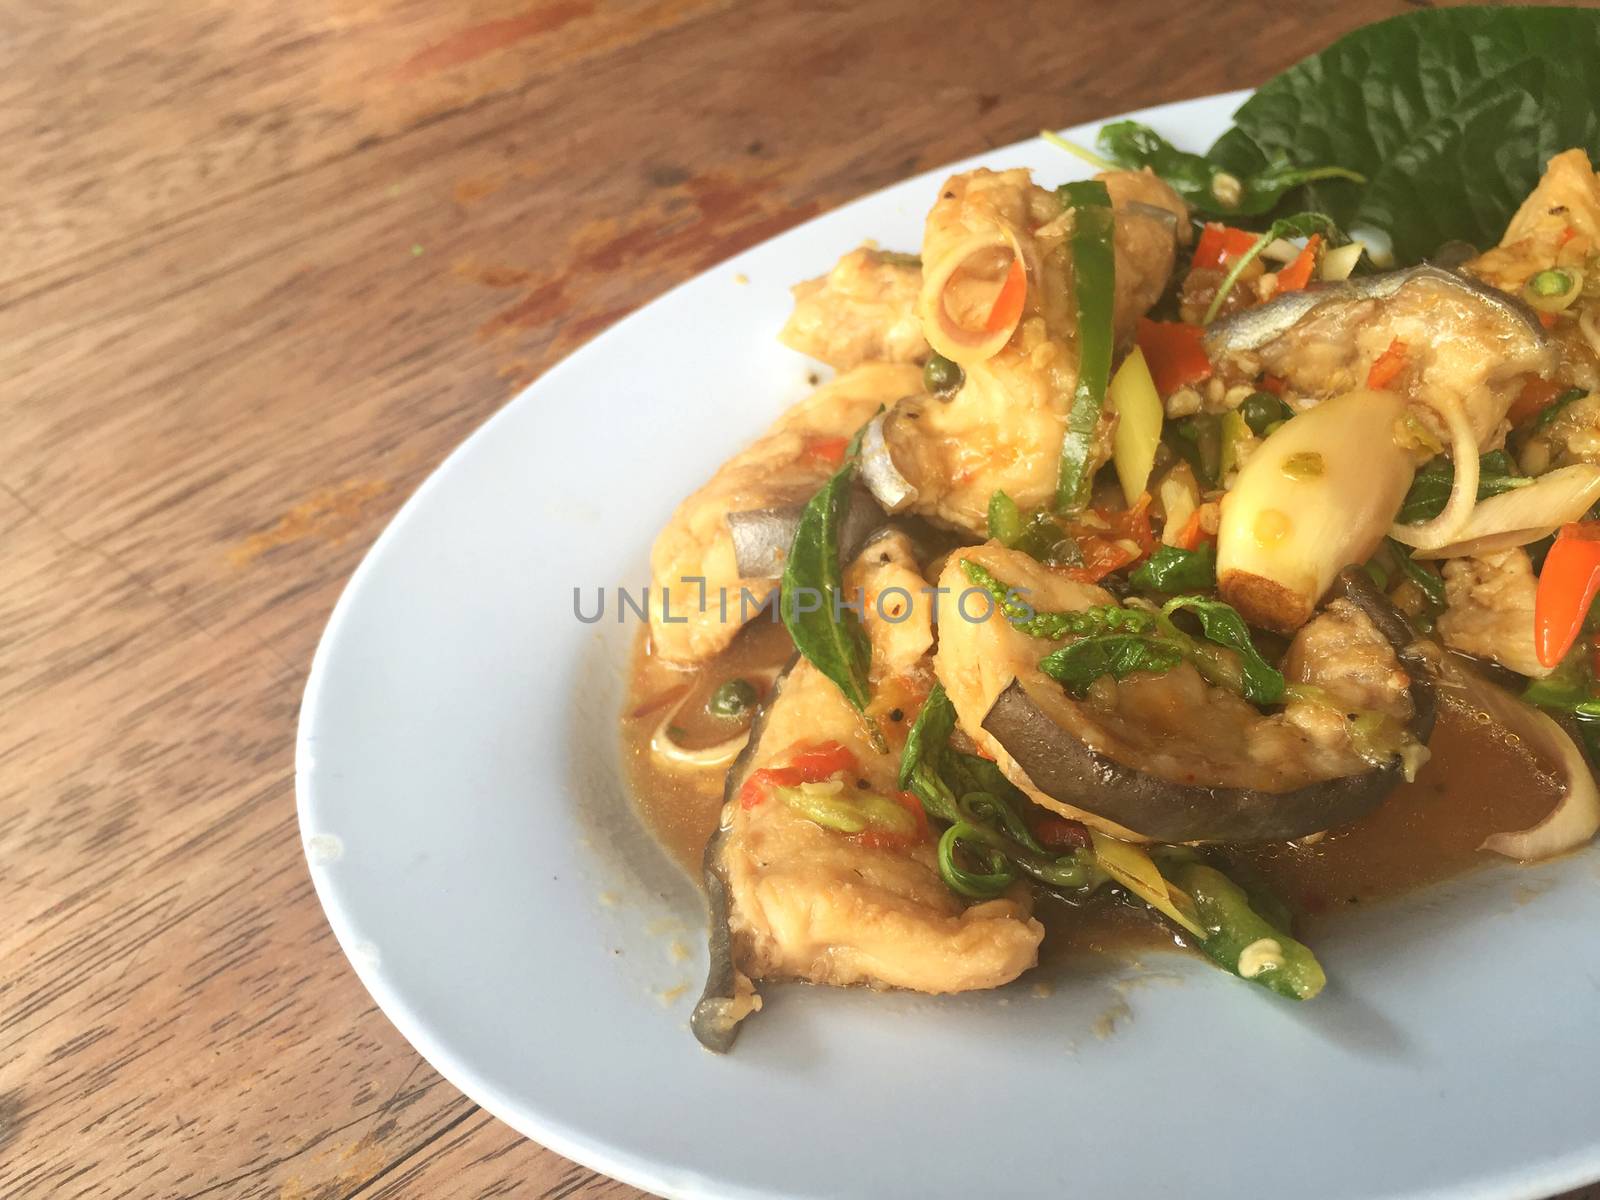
x=680, y=804
x=1477, y=782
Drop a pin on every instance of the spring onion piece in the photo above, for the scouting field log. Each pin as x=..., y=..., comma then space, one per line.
x=824, y=804
x=1094, y=288
x=1133, y=398
x=1077, y=151
x=830, y=805
x=1005, y=520
x=1040, y=536
x=998, y=873
x=986, y=815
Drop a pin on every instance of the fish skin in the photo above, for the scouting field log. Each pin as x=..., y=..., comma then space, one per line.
x=1255, y=327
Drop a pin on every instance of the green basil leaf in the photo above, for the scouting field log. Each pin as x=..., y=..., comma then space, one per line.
x=1262, y=683
x=969, y=792
x=828, y=635
x=1569, y=689
x=1094, y=289
x=1171, y=570
x=1198, y=441
x=972, y=773
x=928, y=736
x=1250, y=192
x=1449, y=113
x=1551, y=411
x=1430, y=490
x=1428, y=580
x=1078, y=664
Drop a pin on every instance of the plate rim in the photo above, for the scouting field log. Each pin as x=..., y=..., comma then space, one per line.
x=594, y=1152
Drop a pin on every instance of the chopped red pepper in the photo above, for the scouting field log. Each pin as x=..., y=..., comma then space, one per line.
x=822, y=761
x=1219, y=244
x=1387, y=365
x=1568, y=583
x=1132, y=522
x=1567, y=235
x=1271, y=383
x=1191, y=535
x=1059, y=833
x=1297, y=274
x=810, y=764
x=1174, y=352
x=829, y=450
x=1534, y=398
x=763, y=780
x=1102, y=557
x=1123, y=539
x=1008, y=304
x=1549, y=320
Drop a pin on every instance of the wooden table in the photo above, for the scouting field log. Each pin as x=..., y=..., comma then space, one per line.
x=262, y=264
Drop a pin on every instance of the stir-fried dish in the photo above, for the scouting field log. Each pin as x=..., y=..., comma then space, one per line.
x=1136, y=560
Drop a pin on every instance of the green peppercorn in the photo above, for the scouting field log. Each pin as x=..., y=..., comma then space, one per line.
x=1551, y=283
x=941, y=376
x=732, y=699
x=1261, y=409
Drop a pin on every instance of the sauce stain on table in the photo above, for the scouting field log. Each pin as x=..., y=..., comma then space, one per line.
x=331, y=514
x=475, y=41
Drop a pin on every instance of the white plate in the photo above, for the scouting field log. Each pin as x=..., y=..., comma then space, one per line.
x=459, y=791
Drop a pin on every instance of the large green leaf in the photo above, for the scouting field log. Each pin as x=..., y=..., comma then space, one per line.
x=1450, y=114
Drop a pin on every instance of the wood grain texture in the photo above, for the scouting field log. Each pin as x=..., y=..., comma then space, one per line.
x=262, y=264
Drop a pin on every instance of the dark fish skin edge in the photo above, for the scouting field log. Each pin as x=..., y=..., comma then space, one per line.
x=1255, y=327
x=1061, y=765
x=708, y=1025
x=762, y=536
